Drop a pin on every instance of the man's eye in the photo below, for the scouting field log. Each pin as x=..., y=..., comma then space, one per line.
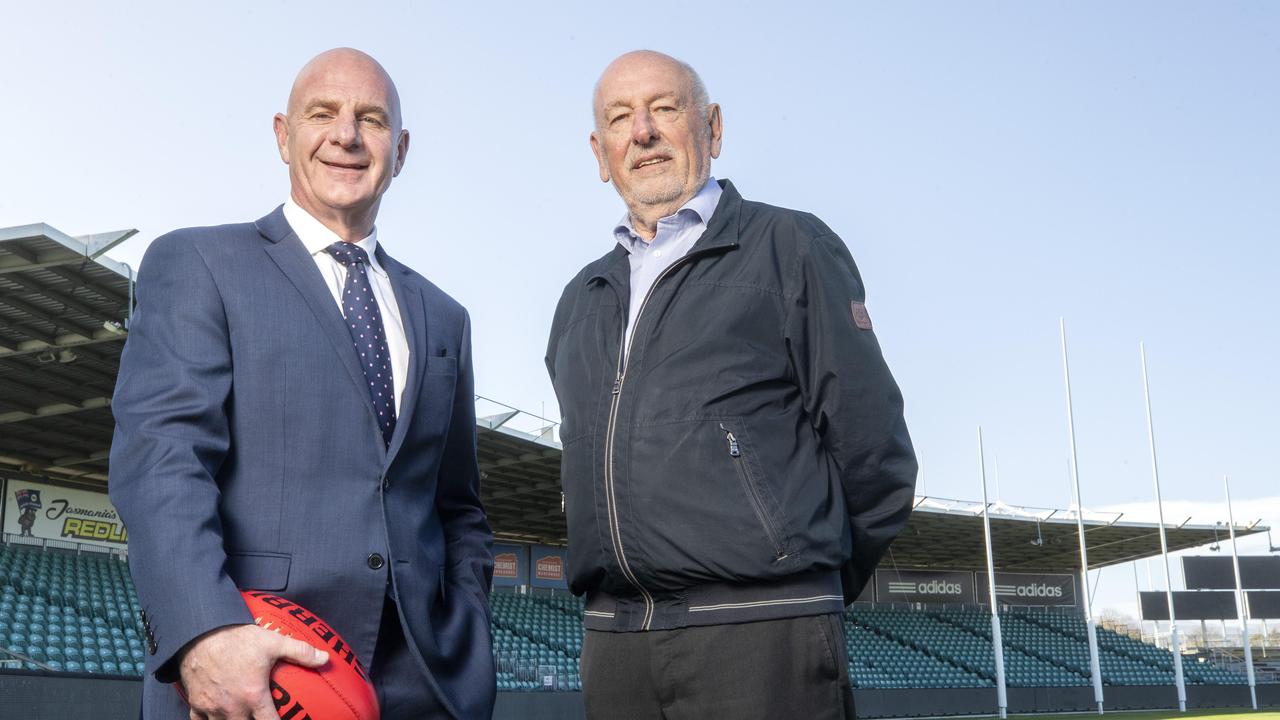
x=618, y=118
x=376, y=122
x=321, y=116
x=665, y=109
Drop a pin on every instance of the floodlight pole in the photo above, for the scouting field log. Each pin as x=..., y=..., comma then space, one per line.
x=1095, y=669
x=997, y=642
x=1244, y=605
x=1174, y=644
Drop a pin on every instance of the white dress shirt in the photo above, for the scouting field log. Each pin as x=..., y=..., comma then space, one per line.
x=316, y=237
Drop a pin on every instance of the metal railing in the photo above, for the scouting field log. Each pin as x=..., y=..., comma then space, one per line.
x=121, y=554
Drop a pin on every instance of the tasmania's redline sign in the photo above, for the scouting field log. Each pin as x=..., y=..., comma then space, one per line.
x=52, y=512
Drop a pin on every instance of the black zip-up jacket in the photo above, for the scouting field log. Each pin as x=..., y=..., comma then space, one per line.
x=747, y=459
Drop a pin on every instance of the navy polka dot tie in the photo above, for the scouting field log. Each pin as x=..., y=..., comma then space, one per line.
x=364, y=320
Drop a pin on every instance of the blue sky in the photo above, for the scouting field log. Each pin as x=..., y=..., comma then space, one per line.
x=992, y=166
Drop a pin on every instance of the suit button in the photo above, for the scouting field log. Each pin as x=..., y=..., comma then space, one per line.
x=386, y=483
x=375, y=561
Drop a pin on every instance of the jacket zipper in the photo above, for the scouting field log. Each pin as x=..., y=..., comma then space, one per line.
x=615, y=528
x=735, y=452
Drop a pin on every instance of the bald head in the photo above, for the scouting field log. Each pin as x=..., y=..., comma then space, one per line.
x=347, y=66
x=343, y=139
x=640, y=60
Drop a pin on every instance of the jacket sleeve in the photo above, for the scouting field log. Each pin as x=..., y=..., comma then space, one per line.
x=851, y=401
x=170, y=440
x=468, y=537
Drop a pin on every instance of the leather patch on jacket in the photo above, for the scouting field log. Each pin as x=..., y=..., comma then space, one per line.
x=861, y=317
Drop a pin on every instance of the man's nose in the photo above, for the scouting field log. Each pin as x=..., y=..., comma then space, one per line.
x=345, y=131
x=643, y=129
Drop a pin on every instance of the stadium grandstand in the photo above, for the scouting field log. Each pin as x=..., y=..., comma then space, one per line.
x=919, y=638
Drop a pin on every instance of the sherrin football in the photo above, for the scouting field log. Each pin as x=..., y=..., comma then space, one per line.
x=338, y=690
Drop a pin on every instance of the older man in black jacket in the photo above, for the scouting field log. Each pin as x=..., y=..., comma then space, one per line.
x=735, y=457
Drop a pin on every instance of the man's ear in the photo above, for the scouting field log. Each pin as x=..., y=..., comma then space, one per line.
x=716, y=121
x=600, y=159
x=402, y=149
x=280, y=124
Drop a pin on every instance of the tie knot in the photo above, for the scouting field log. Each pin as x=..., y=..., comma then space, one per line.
x=348, y=253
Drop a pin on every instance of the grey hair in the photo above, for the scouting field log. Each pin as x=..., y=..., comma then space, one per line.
x=701, y=99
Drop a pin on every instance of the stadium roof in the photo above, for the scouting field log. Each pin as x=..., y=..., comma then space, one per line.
x=63, y=313
x=64, y=316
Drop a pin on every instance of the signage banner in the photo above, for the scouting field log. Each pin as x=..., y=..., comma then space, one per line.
x=510, y=565
x=548, y=567
x=1029, y=588
x=1189, y=605
x=38, y=510
x=1257, y=572
x=1263, y=605
x=929, y=586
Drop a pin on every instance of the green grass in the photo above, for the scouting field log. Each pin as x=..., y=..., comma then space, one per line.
x=1161, y=715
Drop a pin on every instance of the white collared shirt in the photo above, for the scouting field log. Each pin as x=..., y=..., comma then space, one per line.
x=316, y=237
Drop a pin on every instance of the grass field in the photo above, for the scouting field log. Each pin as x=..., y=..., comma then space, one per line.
x=1161, y=715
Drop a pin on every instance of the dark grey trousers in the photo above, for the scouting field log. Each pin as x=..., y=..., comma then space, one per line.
x=770, y=670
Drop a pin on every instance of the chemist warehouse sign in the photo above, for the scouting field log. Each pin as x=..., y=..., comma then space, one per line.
x=37, y=510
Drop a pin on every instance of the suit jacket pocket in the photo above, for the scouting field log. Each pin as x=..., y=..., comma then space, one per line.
x=442, y=365
x=259, y=570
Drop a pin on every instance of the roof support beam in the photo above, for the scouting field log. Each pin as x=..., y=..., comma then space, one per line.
x=31, y=287
x=29, y=331
x=12, y=388
x=65, y=408
x=33, y=467
x=56, y=321
x=81, y=459
x=81, y=281
x=62, y=342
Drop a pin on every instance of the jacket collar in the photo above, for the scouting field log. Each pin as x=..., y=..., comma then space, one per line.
x=721, y=233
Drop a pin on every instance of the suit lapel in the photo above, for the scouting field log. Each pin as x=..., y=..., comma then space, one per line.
x=413, y=315
x=289, y=254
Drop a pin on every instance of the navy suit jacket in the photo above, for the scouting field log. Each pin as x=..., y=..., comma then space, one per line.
x=246, y=454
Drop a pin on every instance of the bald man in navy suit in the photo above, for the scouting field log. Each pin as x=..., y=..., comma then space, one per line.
x=295, y=413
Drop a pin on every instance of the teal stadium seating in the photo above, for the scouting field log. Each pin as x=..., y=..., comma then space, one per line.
x=79, y=614
x=69, y=612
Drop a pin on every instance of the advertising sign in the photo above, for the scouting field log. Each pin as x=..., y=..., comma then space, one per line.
x=38, y=510
x=1189, y=605
x=1263, y=605
x=1029, y=589
x=510, y=565
x=1257, y=572
x=548, y=567
x=929, y=586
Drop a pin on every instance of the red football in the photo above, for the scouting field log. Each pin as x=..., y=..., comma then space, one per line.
x=339, y=690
